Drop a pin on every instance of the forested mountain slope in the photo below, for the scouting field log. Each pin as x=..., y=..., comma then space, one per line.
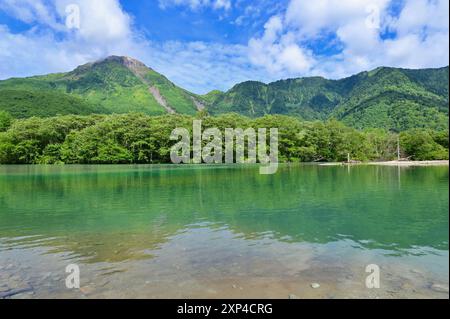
x=113, y=85
x=385, y=97
x=389, y=98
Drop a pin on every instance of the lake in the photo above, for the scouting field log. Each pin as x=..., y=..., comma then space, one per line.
x=224, y=231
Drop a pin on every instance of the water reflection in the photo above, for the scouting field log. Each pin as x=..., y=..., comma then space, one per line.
x=119, y=213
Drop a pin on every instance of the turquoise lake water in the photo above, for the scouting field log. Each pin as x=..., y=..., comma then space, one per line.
x=223, y=231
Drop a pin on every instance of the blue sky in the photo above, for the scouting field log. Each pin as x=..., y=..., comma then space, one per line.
x=213, y=44
x=165, y=20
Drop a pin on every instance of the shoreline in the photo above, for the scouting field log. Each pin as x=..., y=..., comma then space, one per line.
x=395, y=163
x=412, y=163
x=381, y=163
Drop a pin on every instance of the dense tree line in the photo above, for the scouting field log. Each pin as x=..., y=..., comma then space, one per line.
x=139, y=138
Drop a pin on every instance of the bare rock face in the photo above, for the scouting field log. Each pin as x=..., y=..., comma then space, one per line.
x=124, y=60
x=140, y=70
x=199, y=105
x=135, y=66
x=160, y=99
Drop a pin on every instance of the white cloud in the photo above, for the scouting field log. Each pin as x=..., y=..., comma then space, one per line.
x=200, y=66
x=222, y=4
x=294, y=59
x=51, y=47
x=420, y=37
x=197, y=4
x=418, y=14
x=285, y=48
x=277, y=51
x=313, y=17
x=105, y=29
x=31, y=11
x=100, y=20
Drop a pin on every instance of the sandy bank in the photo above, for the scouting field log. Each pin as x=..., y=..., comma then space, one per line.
x=411, y=163
x=395, y=163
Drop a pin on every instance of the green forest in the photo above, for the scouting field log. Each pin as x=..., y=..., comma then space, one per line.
x=143, y=139
x=118, y=110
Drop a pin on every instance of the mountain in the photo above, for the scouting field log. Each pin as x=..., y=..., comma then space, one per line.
x=23, y=103
x=390, y=98
x=113, y=85
x=385, y=97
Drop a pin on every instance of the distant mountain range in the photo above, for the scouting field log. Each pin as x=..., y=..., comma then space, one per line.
x=388, y=98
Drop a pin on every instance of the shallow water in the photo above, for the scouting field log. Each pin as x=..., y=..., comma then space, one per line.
x=223, y=231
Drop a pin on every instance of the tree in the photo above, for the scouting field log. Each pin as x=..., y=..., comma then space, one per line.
x=5, y=121
x=420, y=145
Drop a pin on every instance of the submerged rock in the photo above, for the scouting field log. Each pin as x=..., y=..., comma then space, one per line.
x=315, y=285
x=86, y=290
x=4, y=289
x=16, y=291
x=439, y=288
